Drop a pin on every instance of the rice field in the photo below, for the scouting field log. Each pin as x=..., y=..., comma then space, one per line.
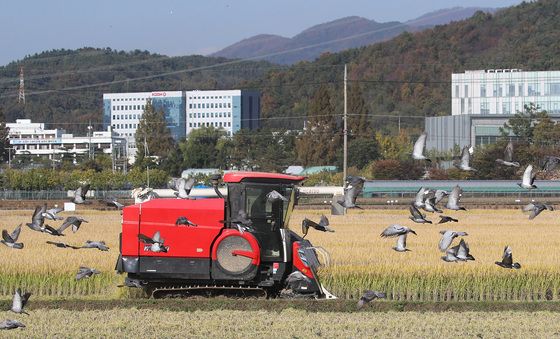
x=126, y=323
x=360, y=259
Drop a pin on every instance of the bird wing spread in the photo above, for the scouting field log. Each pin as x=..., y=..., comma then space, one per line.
x=419, y=145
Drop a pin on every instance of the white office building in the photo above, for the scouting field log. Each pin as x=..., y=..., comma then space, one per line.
x=123, y=111
x=230, y=110
x=34, y=139
x=483, y=100
x=504, y=91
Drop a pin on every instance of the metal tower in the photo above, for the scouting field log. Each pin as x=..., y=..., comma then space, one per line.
x=21, y=95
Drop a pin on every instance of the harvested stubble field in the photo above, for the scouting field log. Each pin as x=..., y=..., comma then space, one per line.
x=126, y=323
x=360, y=259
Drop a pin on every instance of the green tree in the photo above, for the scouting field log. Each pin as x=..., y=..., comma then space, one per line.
x=321, y=140
x=362, y=151
x=203, y=148
x=4, y=141
x=522, y=124
x=357, y=113
x=153, y=132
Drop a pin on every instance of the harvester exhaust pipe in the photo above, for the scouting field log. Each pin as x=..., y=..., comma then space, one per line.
x=215, y=179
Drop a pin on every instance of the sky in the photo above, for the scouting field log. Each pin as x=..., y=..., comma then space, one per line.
x=174, y=27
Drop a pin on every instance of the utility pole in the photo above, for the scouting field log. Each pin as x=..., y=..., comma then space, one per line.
x=345, y=161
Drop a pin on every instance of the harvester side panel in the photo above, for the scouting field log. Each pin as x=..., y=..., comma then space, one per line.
x=160, y=215
x=130, y=227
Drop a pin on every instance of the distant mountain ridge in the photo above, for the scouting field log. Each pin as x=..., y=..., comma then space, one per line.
x=334, y=36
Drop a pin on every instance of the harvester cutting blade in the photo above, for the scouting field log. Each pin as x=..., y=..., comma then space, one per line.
x=326, y=295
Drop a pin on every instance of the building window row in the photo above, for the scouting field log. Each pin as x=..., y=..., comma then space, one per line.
x=123, y=126
x=210, y=105
x=513, y=90
x=127, y=107
x=210, y=115
x=126, y=116
x=130, y=99
x=212, y=97
x=208, y=124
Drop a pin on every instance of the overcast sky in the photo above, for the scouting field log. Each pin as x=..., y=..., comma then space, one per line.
x=175, y=27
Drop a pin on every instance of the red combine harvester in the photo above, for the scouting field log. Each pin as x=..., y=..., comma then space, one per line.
x=240, y=243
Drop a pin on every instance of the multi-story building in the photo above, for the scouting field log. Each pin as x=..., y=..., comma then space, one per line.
x=231, y=110
x=483, y=100
x=123, y=111
x=34, y=139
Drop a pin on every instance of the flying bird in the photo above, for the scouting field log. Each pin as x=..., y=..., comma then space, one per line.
x=369, y=296
x=62, y=245
x=153, y=244
x=38, y=220
x=550, y=163
x=447, y=238
x=536, y=208
x=9, y=324
x=508, y=156
x=453, y=199
x=528, y=179
x=464, y=162
x=460, y=252
x=10, y=240
x=184, y=221
x=112, y=201
x=19, y=301
x=507, y=260
x=143, y=194
x=74, y=221
x=431, y=206
x=400, y=232
x=444, y=218
x=420, y=197
x=100, y=245
x=80, y=194
x=274, y=196
x=86, y=272
x=181, y=186
x=52, y=214
x=418, y=150
x=323, y=225
x=352, y=189
x=417, y=216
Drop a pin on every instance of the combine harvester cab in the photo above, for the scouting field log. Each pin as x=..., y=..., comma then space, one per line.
x=238, y=243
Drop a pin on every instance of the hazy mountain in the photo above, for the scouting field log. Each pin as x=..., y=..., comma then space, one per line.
x=335, y=36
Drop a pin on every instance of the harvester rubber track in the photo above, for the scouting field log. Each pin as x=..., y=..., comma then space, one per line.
x=184, y=291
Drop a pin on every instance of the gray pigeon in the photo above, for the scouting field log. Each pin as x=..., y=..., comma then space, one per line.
x=369, y=296
x=550, y=163
x=52, y=214
x=100, y=245
x=430, y=205
x=74, y=221
x=274, y=196
x=10, y=240
x=461, y=251
x=181, y=186
x=9, y=324
x=418, y=150
x=352, y=189
x=464, y=163
x=86, y=272
x=80, y=194
x=508, y=157
x=536, y=208
x=444, y=218
x=417, y=216
x=62, y=245
x=153, y=244
x=38, y=220
x=447, y=238
x=322, y=226
x=453, y=199
x=242, y=219
x=184, y=221
x=400, y=232
x=507, y=260
x=420, y=197
x=528, y=180
x=19, y=301
x=112, y=201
